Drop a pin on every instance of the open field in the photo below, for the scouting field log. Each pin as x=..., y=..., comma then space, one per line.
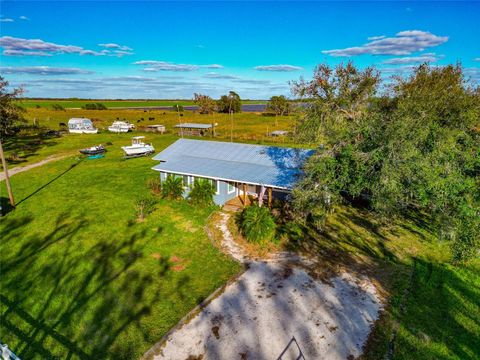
x=28, y=147
x=32, y=103
x=433, y=306
x=73, y=249
x=81, y=278
x=245, y=126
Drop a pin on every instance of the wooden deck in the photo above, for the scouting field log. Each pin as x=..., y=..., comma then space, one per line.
x=236, y=204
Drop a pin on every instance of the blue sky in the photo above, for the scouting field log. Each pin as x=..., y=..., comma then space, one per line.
x=173, y=49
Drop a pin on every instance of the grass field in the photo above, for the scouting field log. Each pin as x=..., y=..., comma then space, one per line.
x=433, y=307
x=81, y=278
x=28, y=147
x=32, y=103
x=244, y=126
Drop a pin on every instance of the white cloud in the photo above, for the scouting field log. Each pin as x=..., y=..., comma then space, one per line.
x=477, y=59
x=23, y=17
x=278, y=68
x=154, y=65
x=36, y=47
x=404, y=43
x=116, y=46
x=43, y=70
x=371, y=38
x=6, y=20
x=214, y=75
x=25, y=53
x=428, y=57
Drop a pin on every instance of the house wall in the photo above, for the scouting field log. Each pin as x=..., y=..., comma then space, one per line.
x=220, y=198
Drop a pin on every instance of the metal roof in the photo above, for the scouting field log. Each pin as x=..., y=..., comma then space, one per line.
x=252, y=164
x=194, y=126
x=78, y=120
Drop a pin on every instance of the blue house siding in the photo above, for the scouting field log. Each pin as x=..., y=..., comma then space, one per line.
x=220, y=198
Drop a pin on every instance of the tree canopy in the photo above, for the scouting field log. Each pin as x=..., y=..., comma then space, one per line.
x=10, y=112
x=278, y=105
x=230, y=102
x=206, y=105
x=416, y=148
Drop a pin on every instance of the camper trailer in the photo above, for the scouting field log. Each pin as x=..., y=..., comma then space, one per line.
x=81, y=126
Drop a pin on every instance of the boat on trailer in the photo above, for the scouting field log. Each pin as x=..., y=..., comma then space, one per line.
x=94, y=150
x=138, y=148
x=120, y=127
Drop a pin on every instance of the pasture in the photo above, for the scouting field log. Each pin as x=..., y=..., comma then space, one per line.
x=78, y=103
x=82, y=278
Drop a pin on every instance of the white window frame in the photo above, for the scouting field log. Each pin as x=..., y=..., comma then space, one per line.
x=217, y=190
x=232, y=184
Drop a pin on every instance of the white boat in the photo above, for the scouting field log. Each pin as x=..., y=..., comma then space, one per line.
x=81, y=126
x=138, y=148
x=120, y=126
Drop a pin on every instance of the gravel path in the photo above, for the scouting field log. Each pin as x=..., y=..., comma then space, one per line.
x=272, y=301
x=20, y=169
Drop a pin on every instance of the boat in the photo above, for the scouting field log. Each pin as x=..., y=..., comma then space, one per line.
x=94, y=150
x=81, y=126
x=138, y=148
x=120, y=126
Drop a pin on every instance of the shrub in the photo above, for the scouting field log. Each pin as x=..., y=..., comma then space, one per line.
x=202, y=192
x=172, y=188
x=95, y=106
x=58, y=107
x=144, y=206
x=256, y=224
x=178, y=108
x=155, y=185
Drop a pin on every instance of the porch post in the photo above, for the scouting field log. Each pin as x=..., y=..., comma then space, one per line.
x=260, y=196
x=244, y=194
x=270, y=197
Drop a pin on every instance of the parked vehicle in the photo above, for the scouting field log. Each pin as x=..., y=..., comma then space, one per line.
x=138, y=148
x=121, y=126
x=94, y=150
x=81, y=126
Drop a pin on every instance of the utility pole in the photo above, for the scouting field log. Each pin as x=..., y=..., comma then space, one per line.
x=7, y=179
x=178, y=113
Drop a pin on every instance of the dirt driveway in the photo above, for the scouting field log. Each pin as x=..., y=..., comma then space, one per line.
x=256, y=316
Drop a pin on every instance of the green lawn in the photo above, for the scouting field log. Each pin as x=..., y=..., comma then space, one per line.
x=81, y=278
x=433, y=307
x=31, y=103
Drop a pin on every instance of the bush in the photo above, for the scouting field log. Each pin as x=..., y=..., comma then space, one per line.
x=256, y=224
x=155, y=185
x=178, y=108
x=202, y=192
x=172, y=188
x=58, y=107
x=95, y=106
x=144, y=207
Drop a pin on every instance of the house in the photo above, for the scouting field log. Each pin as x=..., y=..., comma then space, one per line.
x=193, y=129
x=235, y=170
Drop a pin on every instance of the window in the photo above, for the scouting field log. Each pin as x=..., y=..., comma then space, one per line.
x=215, y=185
x=184, y=179
x=230, y=187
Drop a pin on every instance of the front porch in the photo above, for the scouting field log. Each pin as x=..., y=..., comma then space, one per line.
x=248, y=195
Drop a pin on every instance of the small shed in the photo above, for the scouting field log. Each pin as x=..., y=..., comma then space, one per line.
x=194, y=129
x=277, y=133
x=156, y=128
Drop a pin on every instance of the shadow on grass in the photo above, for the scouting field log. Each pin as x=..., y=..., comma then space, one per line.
x=71, y=167
x=25, y=146
x=442, y=313
x=64, y=298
